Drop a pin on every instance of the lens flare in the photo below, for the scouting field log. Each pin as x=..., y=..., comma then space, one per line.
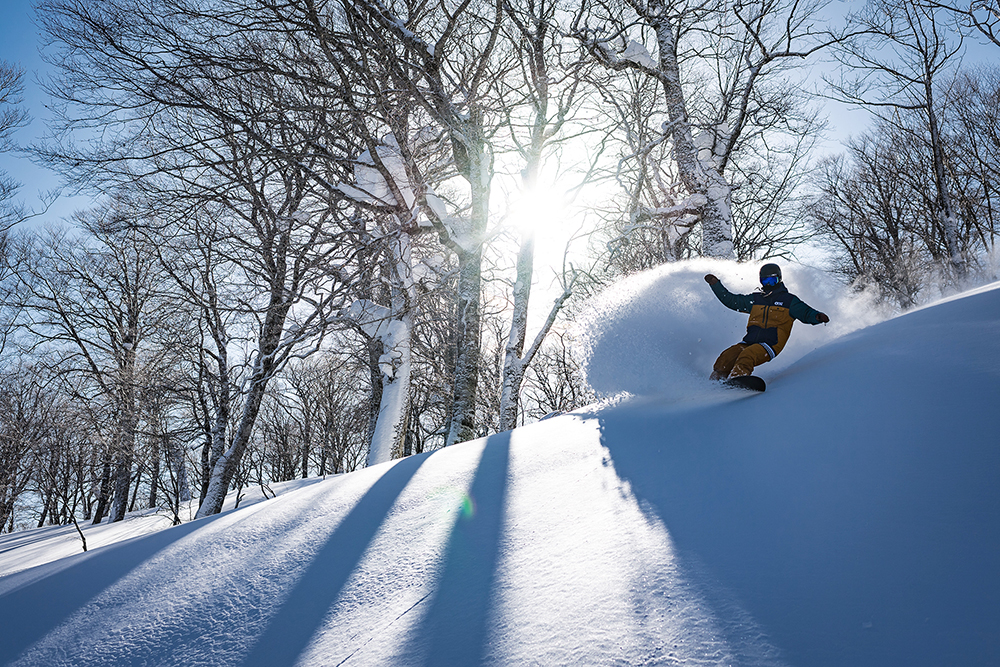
x=452, y=498
x=468, y=507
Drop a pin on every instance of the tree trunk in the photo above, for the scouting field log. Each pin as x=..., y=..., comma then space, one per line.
x=176, y=463
x=154, y=474
x=104, y=489
x=228, y=463
x=206, y=469
x=126, y=436
x=306, y=442
x=946, y=210
x=698, y=179
x=390, y=428
x=124, y=457
x=46, y=504
x=478, y=172
x=513, y=369
x=396, y=359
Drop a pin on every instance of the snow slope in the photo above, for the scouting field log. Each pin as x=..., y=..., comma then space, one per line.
x=29, y=548
x=848, y=516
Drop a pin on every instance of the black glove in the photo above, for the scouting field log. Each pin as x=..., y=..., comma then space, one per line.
x=822, y=318
x=710, y=279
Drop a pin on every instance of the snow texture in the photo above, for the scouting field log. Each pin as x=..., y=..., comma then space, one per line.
x=637, y=53
x=850, y=515
x=621, y=49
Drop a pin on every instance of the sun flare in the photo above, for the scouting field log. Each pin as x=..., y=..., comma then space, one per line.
x=537, y=208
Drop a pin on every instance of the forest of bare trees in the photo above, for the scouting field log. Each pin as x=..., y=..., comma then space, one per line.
x=304, y=254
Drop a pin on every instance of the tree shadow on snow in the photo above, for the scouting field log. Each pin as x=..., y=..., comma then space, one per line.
x=301, y=615
x=29, y=613
x=863, y=545
x=455, y=629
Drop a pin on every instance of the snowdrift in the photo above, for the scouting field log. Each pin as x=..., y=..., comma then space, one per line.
x=848, y=516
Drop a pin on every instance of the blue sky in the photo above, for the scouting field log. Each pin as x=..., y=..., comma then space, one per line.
x=20, y=44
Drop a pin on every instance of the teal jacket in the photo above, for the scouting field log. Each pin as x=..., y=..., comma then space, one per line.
x=771, y=314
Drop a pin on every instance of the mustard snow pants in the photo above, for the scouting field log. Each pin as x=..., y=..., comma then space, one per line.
x=739, y=359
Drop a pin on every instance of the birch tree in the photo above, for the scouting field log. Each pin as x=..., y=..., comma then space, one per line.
x=725, y=73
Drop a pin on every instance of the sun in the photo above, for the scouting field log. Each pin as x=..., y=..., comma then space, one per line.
x=538, y=208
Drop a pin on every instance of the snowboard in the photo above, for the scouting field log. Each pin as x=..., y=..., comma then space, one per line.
x=751, y=382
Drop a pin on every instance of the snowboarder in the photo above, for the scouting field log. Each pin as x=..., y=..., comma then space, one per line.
x=772, y=312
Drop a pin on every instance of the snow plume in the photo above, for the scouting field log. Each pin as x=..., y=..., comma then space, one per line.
x=658, y=332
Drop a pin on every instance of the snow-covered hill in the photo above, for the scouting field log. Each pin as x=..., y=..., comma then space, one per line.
x=848, y=516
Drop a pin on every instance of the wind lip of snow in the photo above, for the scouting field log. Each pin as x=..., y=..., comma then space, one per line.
x=982, y=289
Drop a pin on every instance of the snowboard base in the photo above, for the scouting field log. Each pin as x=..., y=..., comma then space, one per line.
x=751, y=382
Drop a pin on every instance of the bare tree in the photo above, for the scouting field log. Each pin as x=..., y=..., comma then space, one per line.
x=877, y=205
x=553, y=89
x=444, y=63
x=556, y=384
x=871, y=220
x=164, y=430
x=908, y=48
x=202, y=137
x=61, y=459
x=972, y=133
x=743, y=52
x=283, y=300
x=12, y=117
x=327, y=407
x=604, y=29
x=23, y=406
x=979, y=15
x=92, y=299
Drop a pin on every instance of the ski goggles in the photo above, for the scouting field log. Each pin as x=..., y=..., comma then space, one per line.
x=769, y=281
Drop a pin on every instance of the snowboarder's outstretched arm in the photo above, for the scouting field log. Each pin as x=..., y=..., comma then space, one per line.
x=738, y=302
x=801, y=311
